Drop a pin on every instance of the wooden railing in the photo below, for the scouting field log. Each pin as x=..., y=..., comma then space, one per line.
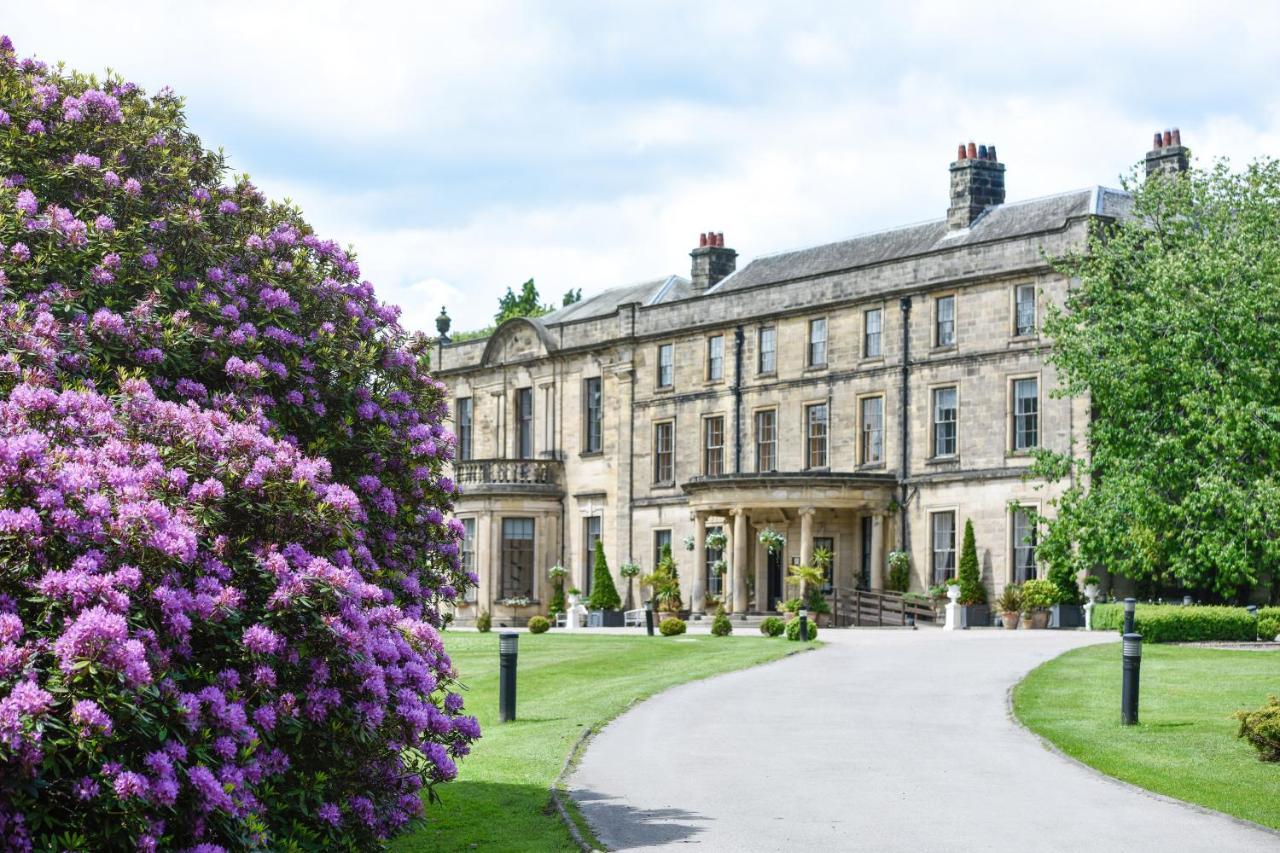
x=861, y=607
x=538, y=475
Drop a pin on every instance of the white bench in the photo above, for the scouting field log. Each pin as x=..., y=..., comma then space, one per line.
x=633, y=618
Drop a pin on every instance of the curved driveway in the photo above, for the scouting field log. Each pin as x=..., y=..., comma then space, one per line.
x=883, y=740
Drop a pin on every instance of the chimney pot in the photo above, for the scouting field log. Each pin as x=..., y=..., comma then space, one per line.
x=720, y=239
x=972, y=151
x=702, y=239
x=991, y=153
x=960, y=152
x=1158, y=142
x=1168, y=138
x=710, y=267
x=1177, y=137
x=982, y=152
x=975, y=186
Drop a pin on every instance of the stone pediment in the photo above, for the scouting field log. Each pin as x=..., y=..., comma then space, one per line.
x=519, y=339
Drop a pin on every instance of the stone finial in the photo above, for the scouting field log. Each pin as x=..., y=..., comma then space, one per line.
x=443, y=322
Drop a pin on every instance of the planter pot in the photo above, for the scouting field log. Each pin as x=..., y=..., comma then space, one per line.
x=824, y=620
x=1011, y=620
x=605, y=619
x=1066, y=616
x=1039, y=620
x=664, y=615
x=975, y=616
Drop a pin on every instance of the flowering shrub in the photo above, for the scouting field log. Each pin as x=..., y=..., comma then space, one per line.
x=223, y=545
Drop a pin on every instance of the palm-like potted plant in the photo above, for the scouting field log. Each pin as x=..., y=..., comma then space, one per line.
x=1009, y=605
x=811, y=579
x=630, y=571
x=664, y=584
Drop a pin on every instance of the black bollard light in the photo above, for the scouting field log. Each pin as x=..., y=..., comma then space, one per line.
x=1132, y=655
x=1252, y=609
x=648, y=617
x=507, y=642
x=1130, y=605
x=804, y=625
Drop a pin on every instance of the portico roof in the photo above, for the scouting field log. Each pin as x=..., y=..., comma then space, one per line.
x=788, y=489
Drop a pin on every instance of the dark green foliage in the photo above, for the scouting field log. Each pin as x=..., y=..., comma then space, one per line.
x=1172, y=623
x=1262, y=729
x=720, y=625
x=671, y=626
x=1039, y=594
x=484, y=622
x=899, y=571
x=604, y=595
x=1172, y=334
x=1268, y=628
x=772, y=626
x=558, y=604
x=793, y=629
x=539, y=624
x=971, y=589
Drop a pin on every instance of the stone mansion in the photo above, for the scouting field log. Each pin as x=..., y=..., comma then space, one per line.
x=863, y=396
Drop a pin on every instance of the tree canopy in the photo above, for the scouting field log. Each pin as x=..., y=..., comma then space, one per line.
x=1173, y=332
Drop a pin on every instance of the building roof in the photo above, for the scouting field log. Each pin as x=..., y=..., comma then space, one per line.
x=1016, y=219
x=606, y=302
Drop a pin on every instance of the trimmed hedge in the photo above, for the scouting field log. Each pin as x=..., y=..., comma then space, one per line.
x=1173, y=623
x=539, y=624
x=793, y=629
x=772, y=626
x=671, y=626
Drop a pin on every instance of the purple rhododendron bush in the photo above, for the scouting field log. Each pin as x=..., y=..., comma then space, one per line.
x=223, y=549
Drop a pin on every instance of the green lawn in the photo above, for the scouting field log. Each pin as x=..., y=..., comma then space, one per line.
x=500, y=800
x=1185, y=744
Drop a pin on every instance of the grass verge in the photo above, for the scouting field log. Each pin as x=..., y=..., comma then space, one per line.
x=566, y=684
x=1185, y=744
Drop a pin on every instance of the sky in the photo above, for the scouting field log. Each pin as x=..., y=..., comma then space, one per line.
x=463, y=148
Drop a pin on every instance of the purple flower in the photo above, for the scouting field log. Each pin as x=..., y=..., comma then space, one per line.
x=261, y=640
x=89, y=715
x=87, y=160
x=132, y=187
x=35, y=127
x=27, y=203
x=330, y=814
x=149, y=260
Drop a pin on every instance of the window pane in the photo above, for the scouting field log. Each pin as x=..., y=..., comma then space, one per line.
x=1024, y=547
x=946, y=332
x=766, y=441
x=715, y=582
x=590, y=535
x=872, y=430
x=661, y=541
x=944, y=546
x=517, y=558
x=816, y=417
x=524, y=427
x=817, y=342
x=1026, y=414
x=713, y=445
x=663, y=452
x=666, y=365
x=594, y=437
x=828, y=574
x=944, y=422
x=467, y=555
x=715, y=358
x=768, y=341
x=1025, y=310
x=464, y=427
x=871, y=343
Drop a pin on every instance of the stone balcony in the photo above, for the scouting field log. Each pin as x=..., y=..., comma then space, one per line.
x=532, y=477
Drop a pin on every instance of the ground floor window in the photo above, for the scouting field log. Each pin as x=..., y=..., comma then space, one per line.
x=517, y=558
x=715, y=582
x=661, y=540
x=828, y=578
x=467, y=555
x=864, y=582
x=944, y=545
x=590, y=536
x=1024, y=546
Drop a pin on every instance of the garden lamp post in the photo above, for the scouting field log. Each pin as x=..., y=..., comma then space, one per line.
x=507, y=641
x=804, y=624
x=648, y=616
x=1132, y=657
x=1130, y=605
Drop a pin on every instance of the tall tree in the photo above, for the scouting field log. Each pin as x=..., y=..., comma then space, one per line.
x=526, y=303
x=1173, y=332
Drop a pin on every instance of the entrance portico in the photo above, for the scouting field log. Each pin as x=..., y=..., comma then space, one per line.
x=847, y=512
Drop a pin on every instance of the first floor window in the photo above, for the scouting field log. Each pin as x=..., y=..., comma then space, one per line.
x=664, y=454
x=944, y=421
x=767, y=441
x=666, y=365
x=944, y=546
x=713, y=446
x=517, y=558
x=872, y=430
x=872, y=326
x=593, y=440
x=524, y=423
x=464, y=415
x=827, y=544
x=661, y=545
x=945, y=329
x=715, y=582
x=818, y=342
x=467, y=554
x=1024, y=546
x=1024, y=310
x=768, y=362
x=715, y=358
x=1026, y=413
x=815, y=417
x=590, y=536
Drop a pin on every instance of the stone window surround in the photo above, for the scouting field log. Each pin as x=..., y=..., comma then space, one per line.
x=760, y=332
x=934, y=300
x=711, y=378
x=467, y=553
x=809, y=362
x=755, y=435
x=705, y=436
x=805, y=407
x=667, y=483
x=1013, y=311
x=670, y=347
x=587, y=450
x=1033, y=505
x=466, y=429
x=861, y=436
x=1010, y=414
x=865, y=312
x=932, y=457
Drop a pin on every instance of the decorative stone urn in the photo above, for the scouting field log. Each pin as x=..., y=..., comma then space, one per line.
x=953, y=622
x=1091, y=592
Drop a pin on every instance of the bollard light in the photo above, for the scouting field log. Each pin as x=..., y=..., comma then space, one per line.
x=1130, y=605
x=1252, y=609
x=648, y=616
x=1187, y=601
x=804, y=625
x=507, y=645
x=1131, y=652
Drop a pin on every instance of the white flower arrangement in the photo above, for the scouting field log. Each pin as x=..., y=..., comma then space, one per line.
x=719, y=567
x=688, y=543
x=716, y=541
x=772, y=540
x=515, y=601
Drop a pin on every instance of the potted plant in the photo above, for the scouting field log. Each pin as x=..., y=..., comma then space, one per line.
x=688, y=543
x=1038, y=596
x=811, y=579
x=557, y=574
x=973, y=595
x=789, y=608
x=1009, y=605
x=772, y=540
x=630, y=571
x=899, y=571
x=1092, y=586
x=664, y=584
x=716, y=541
x=604, y=602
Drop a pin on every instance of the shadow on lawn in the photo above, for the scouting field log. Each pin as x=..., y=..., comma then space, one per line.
x=628, y=827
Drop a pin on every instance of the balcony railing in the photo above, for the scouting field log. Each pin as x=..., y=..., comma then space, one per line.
x=510, y=476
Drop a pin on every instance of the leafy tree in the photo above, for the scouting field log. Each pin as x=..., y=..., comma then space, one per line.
x=571, y=297
x=1172, y=332
x=971, y=589
x=526, y=303
x=604, y=595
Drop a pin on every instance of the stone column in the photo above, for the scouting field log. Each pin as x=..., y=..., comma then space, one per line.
x=806, y=536
x=877, y=553
x=763, y=604
x=739, y=562
x=726, y=580
x=697, y=590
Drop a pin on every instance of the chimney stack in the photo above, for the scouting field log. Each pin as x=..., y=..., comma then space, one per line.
x=712, y=262
x=977, y=183
x=1167, y=154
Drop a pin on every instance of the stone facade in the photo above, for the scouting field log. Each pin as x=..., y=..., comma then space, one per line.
x=681, y=441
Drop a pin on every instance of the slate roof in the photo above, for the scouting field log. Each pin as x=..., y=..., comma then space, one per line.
x=606, y=303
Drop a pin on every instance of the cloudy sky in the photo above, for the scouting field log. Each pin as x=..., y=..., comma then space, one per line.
x=464, y=147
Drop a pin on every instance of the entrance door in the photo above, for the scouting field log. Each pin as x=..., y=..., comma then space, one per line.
x=775, y=580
